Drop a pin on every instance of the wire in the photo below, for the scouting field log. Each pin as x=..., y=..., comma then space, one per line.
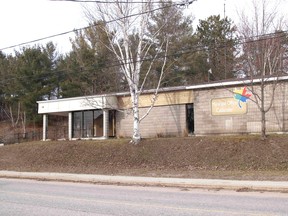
x=36, y=40
x=180, y=52
x=182, y=3
x=110, y=21
x=193, y=49
x=108, y=2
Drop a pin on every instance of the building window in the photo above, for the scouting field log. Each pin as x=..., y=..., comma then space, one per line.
x=89, y=123
x=77, y=124
x=98, y=123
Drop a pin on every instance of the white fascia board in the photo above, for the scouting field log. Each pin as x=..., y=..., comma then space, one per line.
x=237, y=82
x=77, y=104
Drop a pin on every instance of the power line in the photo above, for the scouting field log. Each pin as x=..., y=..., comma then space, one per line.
x=112, y=64
x=181, y=3
x=37, y=40
x=183, y=51
x=83, y=28
x=108, y=2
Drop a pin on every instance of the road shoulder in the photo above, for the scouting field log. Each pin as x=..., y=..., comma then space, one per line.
x=239, y=185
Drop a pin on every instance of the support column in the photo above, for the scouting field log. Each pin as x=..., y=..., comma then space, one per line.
x=105, y=123
x=70, y=125
x=45, y=121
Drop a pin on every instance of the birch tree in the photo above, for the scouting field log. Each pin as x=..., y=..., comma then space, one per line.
x=127, y=28
x=264, y=47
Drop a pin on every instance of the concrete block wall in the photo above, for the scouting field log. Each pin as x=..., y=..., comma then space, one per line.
x=250, y=122
x=166, y=121
x=170, y=120
x=206, y=123
x=277, y=117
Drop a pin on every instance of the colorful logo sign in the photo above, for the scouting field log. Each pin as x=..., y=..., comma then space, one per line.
x=241, y=95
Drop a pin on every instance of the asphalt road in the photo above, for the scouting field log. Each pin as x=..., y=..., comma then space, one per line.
x=27, y=197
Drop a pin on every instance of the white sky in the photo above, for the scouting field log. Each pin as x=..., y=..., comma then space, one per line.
x=26, y=20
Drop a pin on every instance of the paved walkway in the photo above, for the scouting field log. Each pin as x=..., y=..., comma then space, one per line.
x=152, y=181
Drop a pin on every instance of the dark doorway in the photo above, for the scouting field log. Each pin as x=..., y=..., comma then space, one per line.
x=190, y=118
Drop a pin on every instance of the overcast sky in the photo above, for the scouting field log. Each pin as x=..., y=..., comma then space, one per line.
x=27, y=20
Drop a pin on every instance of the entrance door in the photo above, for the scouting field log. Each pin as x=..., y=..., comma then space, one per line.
x=190, y=118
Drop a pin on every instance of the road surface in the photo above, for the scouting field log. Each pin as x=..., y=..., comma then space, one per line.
x=29, y=198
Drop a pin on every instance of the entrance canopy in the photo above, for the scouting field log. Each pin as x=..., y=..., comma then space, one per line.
x=90, y=116
x=77, y=104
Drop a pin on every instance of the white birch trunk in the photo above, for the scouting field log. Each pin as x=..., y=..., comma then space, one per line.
x=23, y=120
x=129, y=19
x=136, y=137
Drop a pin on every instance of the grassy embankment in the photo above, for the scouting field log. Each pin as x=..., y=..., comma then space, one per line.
x=225, y=157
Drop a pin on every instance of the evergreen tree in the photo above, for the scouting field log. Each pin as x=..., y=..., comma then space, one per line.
x=9, y=88
x=89, y=67
x=35, y=73
x=3, y=68
x=218, y=38
x=169, y=22
x=55, y=74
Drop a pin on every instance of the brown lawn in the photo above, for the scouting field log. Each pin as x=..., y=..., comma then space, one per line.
x=225, y=157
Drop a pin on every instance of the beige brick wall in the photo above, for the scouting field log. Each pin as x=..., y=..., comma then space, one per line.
x=170, y=120
x=277, y=117
x=161, y=121
x=206, y=123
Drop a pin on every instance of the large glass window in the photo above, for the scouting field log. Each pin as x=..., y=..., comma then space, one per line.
x=88, y=124
x=98, y=123
x=77, y=124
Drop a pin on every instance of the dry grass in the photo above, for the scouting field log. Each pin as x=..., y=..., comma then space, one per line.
x=226, y=157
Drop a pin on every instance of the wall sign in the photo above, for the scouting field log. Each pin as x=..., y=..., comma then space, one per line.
x=227, y=106
x=241, y=95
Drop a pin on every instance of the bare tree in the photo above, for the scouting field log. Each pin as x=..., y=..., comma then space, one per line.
x=126, y=25
x=264, y=48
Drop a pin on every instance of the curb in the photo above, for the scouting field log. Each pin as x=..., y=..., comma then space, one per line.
x=152, y=181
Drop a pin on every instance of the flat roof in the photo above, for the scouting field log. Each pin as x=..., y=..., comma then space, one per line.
x=77, y=104
x=214, y=84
